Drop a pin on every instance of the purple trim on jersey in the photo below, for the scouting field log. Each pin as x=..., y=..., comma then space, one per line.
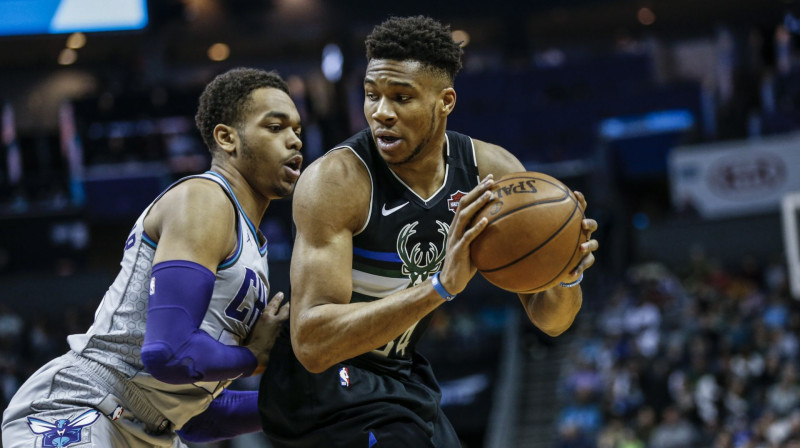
x=149, y=241
x=175, y=350
x=228, y=262
x=232, y=413
x=262, y=249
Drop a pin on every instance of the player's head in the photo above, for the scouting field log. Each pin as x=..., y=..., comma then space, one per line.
x=248, y=120
x=226, y=99
x=420, y=39
x=408, y=86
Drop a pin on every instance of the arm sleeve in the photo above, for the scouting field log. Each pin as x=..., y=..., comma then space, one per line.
x=175, y=350
x=231, y=414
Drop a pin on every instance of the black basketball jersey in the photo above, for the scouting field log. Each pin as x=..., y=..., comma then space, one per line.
x=390, y=390
x=404, y=239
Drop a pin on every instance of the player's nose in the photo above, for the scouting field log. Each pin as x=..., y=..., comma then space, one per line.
x=384, y=113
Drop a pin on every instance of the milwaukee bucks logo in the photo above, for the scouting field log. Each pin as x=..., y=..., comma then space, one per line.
x=419, y=265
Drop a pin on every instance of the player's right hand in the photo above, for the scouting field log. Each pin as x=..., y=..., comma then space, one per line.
x=458, y=268
x=266, y=330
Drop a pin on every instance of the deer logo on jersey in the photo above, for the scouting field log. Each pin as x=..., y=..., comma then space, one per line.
x=419, y=265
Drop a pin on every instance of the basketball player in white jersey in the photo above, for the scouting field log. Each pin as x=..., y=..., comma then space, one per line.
x=188, y=312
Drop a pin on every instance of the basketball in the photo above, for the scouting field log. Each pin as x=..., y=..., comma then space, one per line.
x=533, y=235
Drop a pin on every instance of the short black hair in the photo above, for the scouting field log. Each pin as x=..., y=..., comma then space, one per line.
x=416, y=38
x=225, y=99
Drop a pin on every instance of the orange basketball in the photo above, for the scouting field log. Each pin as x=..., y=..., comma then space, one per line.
x=534, y=233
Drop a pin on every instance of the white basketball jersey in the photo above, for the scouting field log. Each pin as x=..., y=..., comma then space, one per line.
x=241, y=291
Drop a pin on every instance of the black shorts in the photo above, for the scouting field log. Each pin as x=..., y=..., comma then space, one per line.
x=350, y=407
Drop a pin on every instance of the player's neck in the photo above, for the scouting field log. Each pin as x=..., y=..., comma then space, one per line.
x=253, y=204
x=425, y=174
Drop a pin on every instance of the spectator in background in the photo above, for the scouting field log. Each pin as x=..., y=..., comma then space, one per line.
x=582, y=419
x=727, y=354
x=674, y=431
x=784, y=397
x=616, y=435
x=11, y=324
x=585, y=377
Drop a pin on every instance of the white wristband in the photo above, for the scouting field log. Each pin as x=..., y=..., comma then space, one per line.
x=573, y=284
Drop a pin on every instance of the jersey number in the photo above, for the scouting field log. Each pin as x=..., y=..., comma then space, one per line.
x=401, y=343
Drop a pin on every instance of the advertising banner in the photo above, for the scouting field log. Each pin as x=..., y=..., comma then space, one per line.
x=728, y=179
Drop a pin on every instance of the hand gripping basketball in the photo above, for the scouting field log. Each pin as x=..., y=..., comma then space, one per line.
x=458, y=268
x=534, y=233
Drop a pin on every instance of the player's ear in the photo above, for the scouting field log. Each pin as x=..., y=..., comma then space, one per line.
x=448, y=100
x=225, y=136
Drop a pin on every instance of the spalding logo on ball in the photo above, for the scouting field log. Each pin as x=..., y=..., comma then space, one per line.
x=534, y=233
x=521, y=187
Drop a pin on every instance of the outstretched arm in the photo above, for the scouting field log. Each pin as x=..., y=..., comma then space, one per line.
x=554, y=309
x=330, y=205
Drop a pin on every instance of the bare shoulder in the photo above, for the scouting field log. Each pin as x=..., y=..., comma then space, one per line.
x=335, y=189
x=196, y=206
x=338, y=167
x=494, y=159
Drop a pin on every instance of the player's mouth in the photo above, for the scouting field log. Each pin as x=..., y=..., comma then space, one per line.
x=292, y=167
x=387, y=141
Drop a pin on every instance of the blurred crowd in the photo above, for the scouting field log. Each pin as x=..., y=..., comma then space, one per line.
x=702, y=358
x=31, y=337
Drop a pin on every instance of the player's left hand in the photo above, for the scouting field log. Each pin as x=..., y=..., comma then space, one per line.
x=266, y=330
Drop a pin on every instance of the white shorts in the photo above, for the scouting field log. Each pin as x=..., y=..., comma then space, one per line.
x=64, y=404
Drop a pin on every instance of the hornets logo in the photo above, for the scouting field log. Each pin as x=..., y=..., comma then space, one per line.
x=419, y=265
x=62, y=432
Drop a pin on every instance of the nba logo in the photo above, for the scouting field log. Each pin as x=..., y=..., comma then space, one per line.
x=117, y=413
x=344, y=377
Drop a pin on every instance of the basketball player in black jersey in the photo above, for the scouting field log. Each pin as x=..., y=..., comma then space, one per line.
x=383, y=236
